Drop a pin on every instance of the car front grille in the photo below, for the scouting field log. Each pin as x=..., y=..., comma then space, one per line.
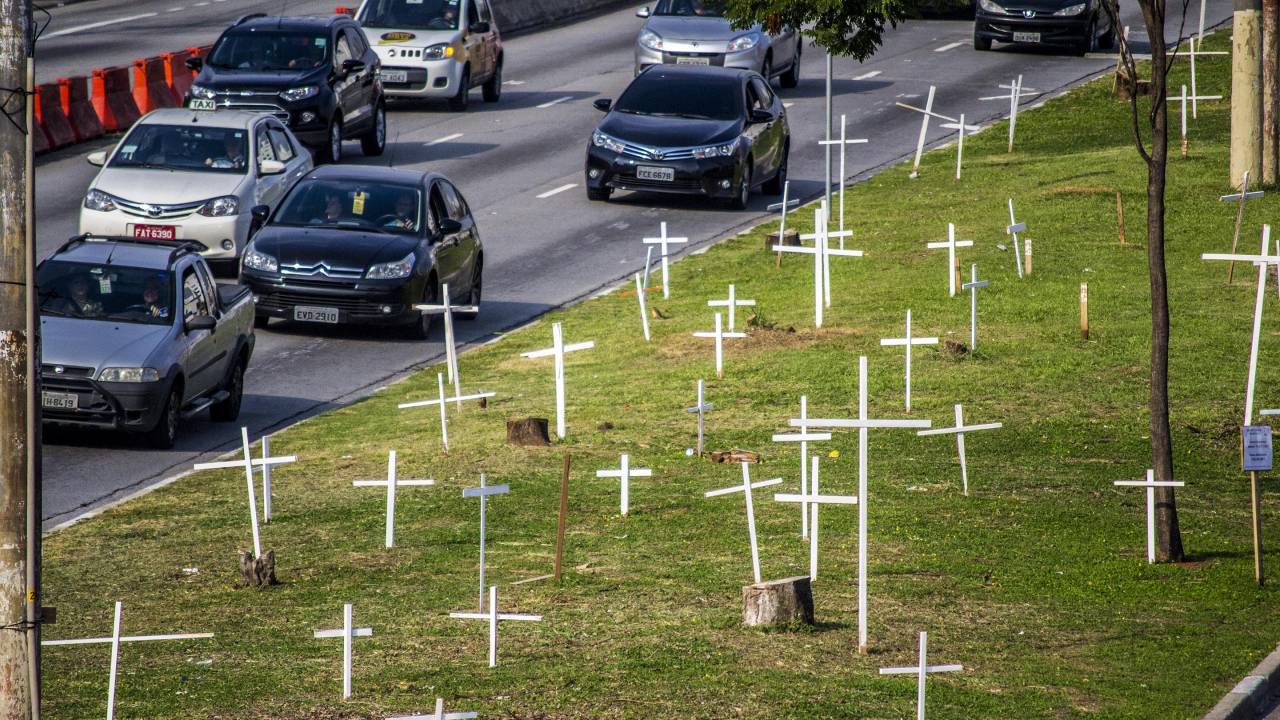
x=646, y=152
x=157, y=212
x=93, y=405
x=236, y=101
x=65, y=371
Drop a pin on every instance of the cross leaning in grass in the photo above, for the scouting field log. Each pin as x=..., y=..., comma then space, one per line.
x=844, y=142
x=248, y=463
x=624, y=473
x=815, y=501
x=921, y=671
x=443, y=401
x=1150, y=484
x=664, y=241
x=493, y=616
x=445, y=308
x=926, y=113
x=114, y=641
x=804, y=437
x=1240, y=198
x=746, y=489
x=484, y=492
x=959, y=431
x=439, y=714
x=348, y=633
x=557, y=351
x=784, y=206
x=701, y=408
x=950, y=245
x=391, y=483
x=644, y=311
x=720, y=336
x=907, y=342
x=1013, y=228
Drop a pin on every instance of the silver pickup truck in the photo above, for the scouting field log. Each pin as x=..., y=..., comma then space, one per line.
x=137, y=336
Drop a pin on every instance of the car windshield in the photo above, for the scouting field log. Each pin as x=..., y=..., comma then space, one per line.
x=105, y=292
x=364, y=207
x=270, y=50
x=699, y=97
x=689, y=8
x=411, y=14
x=184, y=147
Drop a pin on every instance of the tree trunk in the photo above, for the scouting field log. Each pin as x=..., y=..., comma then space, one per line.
x=528, y=432
x=1270, y=90
x=778, y=602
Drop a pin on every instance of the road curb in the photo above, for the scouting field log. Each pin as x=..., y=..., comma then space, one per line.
x=1247, y=698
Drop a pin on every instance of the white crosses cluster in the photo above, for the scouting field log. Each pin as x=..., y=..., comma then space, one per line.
x=494, y=617
x=746, y=488
x=624, y=473
x=557, y=351
x=821, y=252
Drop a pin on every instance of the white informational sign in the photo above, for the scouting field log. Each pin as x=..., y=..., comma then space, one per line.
x=1256, y=448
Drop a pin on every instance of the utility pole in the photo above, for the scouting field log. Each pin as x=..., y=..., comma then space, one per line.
x=1246, y=91
x=1270, y=91
x=826, y=193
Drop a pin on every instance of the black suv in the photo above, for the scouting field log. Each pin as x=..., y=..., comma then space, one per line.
x=316, y=74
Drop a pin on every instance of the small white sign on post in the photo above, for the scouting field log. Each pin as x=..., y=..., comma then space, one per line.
x=114, y=641
x=732, y=303
x=950, y=246
x=1150, y=484
x=493, y=616
x=557, y=351
x=644, y=311
x=248, y=464
x=746, y=489
x=439, y=714
x=391, y=483
x=815, y=500
x=347, y=632
x=844, y=142
x=973, y=286
x=959, y=431
x=625, y=473
x=701, y=408
x=1255, y=455
x=447, y=309
x=720, y=336
x=921, y=671
x=664, y=241
x=907, y=342
x=443, y=401
x=804, y=437
x=484, y=492
x=1013, y=228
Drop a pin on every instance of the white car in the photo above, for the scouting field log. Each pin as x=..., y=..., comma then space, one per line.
x=189, y=175
x=435, y=49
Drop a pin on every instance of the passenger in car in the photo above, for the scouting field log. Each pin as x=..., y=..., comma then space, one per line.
x=332, y=212
x=78, y=302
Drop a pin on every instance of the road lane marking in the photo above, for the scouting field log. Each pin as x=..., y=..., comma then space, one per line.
x=948, y=46
x=177, y=9
x=513, y=82
x=557, y=101
x=557, y=191
x=93, y=26
x=787, y=104
x=444, y=139
x=867, y=75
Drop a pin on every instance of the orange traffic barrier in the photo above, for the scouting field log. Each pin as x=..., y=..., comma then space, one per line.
x=150, y=89
x=176, y=73
x=49, y=113
x=39, y=141
x=73, y=93
x=113, y=99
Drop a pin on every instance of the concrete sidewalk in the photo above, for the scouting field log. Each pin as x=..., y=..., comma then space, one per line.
x=1253, y=697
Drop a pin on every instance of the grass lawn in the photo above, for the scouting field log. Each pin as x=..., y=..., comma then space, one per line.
x=1037, y=582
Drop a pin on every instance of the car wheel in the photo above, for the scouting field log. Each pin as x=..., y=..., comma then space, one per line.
x=165, y=433
x=228, y=410
x=791, y=78
x=740, y=201
x=493, y=88
x=477, y=288
x=260, y=322
x=332, y=150
x=374, y=142
x=981, y=43
x=421, y=328
x=458, y=103
x=1086, y=45
x=600, y=194
x=779, y=180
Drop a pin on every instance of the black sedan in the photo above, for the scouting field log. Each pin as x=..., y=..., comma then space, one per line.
x=1077, y=25
x=691, y=130
x=363, y=245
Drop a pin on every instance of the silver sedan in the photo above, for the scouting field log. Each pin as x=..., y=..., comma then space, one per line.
x=695, y=32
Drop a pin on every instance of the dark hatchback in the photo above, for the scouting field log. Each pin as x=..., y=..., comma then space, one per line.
x=1077, y=25
x=318, y=75
x=363, y=245
x=707, y=131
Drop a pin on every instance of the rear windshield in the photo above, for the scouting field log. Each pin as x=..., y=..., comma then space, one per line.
x=704, y=8
x=379, y=207
x=412, y=14
x=184, y=147
x=703, y=98
x=268, y=50
x=105, y=292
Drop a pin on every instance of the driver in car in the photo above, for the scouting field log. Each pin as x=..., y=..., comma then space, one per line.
x=151, y=302
x=332, y=212
x=79, y=303
x=233, y=154
x=406, y=214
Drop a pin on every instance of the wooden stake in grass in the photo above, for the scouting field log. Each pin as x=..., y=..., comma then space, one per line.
x=1120, y=216
x=1084, y=311
x=563, y=518
x=1240, y=198
x=1027, y=246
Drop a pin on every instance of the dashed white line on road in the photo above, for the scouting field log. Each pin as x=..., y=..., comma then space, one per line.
x=444, y=139
x=513, y=82
x=948, y=46
x=177, y=9
x=557, y=191
x=92, y=26
x=787, y=104
x=557, y=101
x=867, y=75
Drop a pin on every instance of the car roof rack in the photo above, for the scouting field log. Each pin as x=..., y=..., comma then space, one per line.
x=250, y=16
x=177, y=248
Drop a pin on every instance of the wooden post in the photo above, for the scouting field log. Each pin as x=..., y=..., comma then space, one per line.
x=1120, y=216
x=956, y=270
x=1257, y=529
x=1084, y=311
x=564, y=513
x=1026, y=243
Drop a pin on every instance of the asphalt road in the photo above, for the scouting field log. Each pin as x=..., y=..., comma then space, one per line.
x=543, y=249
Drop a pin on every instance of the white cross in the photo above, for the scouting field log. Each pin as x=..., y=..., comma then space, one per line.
x=959, y=430
x=720, y=336
x=927, y=112
x=1151, y=484
x=821, y=262
x=1183, y=98
x=733, y=303
x=921, y=671
x=664, y=241
x=443, y=402
x=625, y=473
x=746, y=489
x=347, y=633
x=1016, y=93
x=783, y=206
x=484, y=493
x=493, y=616
x=557, y=351
x=960, y=129
x=908, y=341
x=815, y=501
x=391, y=483
x=1241, y=198
x=863, y=423
x=1014, y=227
x=439, y=714
x=701, y=408
x=447, y=309
x=248, y=464
x=1194, y=51
x=972, y=286
x=950, y=245
x=821, y=237
x=114, y=641
x=844, y=145
x=644, y=312
x=648, y=265
x=1262, y=260
x=804, y=437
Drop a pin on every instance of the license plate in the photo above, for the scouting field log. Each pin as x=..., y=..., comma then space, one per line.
x=202, y=104
x=395, y=76
x=693, y=61
x=60, y=401
x=1026, y=37
x=155, y=232
x=663, y=174
x=315, y=314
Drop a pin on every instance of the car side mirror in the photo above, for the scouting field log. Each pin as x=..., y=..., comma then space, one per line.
x=195, y=64
x=449, y=226
x=759, y=117
x=201, y=322
x=98, y=158
x=603, y=104
x=260, y=213
x=270, y=167
x=479, y=27
x=643, y=12
x=352, y=66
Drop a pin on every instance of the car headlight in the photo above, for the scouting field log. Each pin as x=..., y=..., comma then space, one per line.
x=255, y=260
x=220, y=206
x=1071, y=10
x=607, y=142
x=438, y=52
x=651, y=40
x=299, y=93
x=743, y=42
x=129, y=375
x=392, y=270
x=100, y=201
x=711, y=151
x=200, y=91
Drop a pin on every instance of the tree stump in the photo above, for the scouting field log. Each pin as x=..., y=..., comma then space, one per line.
x=792, y=237
x=527, y=432
x=259, y=573
x=734, y=457
x=778, y=602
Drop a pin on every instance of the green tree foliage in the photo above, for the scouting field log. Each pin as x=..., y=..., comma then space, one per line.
x=844, y=27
